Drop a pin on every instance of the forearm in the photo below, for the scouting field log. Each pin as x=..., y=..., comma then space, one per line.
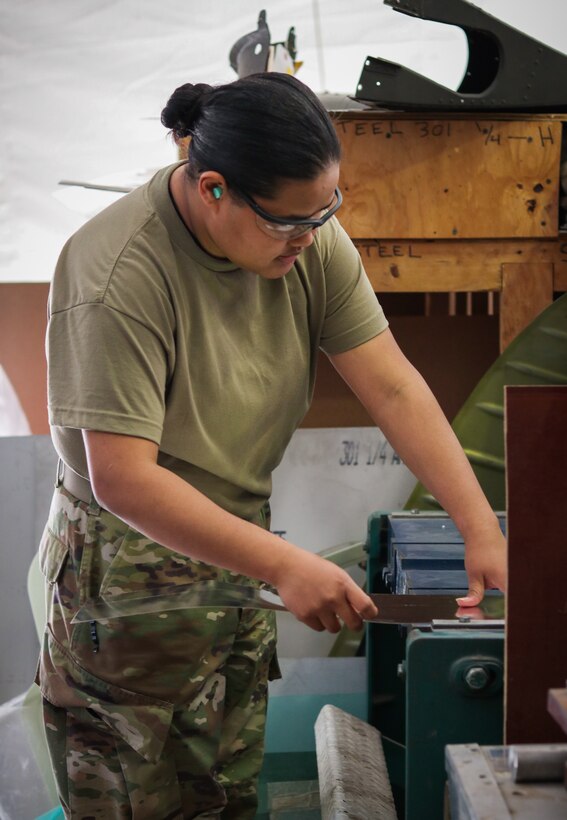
x=128, y=482
x=171, y=512
x=428, y=446
x=402, y=405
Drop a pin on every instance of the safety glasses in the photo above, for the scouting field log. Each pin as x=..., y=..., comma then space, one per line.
x=287, y=227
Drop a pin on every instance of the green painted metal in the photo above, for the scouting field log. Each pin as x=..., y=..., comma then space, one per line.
x=538, y=355
x=347, y=643
x=427, y=689
x=442, y=708
x=346, y=555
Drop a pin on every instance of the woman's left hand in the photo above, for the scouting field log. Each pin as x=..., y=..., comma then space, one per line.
x=486, y=566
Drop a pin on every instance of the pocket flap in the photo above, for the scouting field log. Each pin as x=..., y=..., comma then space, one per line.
x=52, y=556
x=142, y=722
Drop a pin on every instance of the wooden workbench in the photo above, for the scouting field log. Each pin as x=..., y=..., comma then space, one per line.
x=457, y=203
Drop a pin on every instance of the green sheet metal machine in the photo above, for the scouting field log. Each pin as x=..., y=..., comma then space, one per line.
x=428, y=685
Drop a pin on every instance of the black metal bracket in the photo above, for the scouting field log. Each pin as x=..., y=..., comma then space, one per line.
x=507, y=70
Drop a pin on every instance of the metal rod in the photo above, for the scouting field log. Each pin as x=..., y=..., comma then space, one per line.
x=114, y=188
x=319, y=44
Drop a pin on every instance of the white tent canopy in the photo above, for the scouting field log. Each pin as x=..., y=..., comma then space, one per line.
x=83, y=84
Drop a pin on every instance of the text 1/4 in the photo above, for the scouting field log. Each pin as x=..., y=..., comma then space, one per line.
x=353, y=454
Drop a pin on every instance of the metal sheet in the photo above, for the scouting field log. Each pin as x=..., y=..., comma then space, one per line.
x=395, y=609
x=418, y=610
x=206, y=594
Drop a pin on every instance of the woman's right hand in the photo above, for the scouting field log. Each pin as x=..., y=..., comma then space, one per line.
x=321, y=594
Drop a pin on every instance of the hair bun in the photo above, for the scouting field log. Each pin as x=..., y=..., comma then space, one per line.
x=184, y=108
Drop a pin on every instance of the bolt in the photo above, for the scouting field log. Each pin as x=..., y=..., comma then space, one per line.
x=401, y=669
x=477, y=678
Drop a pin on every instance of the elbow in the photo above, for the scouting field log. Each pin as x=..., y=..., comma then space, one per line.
x=107, y=491
x=123, y=492
x=120, y=470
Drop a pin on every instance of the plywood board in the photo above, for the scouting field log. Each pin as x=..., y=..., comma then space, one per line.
x=425, y=266
x=526, y=291
x=446, y=178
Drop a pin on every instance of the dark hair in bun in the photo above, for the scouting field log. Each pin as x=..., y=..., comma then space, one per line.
x=256, y=131
x=183, y=109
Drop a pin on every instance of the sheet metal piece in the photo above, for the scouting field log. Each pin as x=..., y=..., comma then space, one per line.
x=205, y=594
x=395, y=609
x=424, y=610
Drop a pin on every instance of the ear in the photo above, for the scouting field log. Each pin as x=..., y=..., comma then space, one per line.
x=212, y=187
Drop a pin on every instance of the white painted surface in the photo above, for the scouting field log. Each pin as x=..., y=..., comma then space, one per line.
x=330, y=480
x=13, y=420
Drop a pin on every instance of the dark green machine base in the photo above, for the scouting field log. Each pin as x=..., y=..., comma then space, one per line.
x=427, y=687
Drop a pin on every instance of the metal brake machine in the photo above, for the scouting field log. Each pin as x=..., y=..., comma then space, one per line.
x=436, y=680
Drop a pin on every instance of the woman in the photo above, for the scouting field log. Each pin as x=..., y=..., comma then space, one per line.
x=184, y=327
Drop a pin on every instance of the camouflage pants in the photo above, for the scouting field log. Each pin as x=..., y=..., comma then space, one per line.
x=150, y=717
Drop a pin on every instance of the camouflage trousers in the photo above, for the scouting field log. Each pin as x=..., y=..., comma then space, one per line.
x=153, y=717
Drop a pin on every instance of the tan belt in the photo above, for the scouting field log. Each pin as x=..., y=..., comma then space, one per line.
x=74, y=483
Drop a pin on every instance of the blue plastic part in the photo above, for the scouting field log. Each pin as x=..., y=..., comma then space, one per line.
x=54, y=814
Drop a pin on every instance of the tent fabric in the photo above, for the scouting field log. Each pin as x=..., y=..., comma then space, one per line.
x=82, y=86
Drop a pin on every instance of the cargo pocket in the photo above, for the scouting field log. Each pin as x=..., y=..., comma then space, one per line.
x=53, y=554
x=142, y=722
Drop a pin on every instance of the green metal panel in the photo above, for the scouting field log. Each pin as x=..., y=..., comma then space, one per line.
x=538, y=355
x=385, y=650
x=454, y=683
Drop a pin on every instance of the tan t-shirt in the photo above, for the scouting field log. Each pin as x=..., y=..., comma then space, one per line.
x=150, y=336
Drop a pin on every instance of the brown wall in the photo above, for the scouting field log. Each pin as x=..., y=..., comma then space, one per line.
x=451, y=352
x=23, y=318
